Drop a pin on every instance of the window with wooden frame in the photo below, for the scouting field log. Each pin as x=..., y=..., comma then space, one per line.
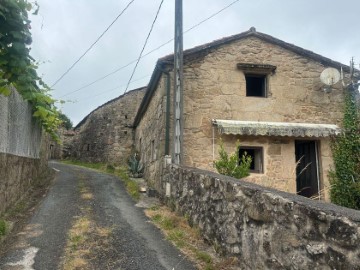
x=256, y=77
x=257, y=157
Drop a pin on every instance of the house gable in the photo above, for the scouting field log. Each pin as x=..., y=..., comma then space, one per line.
x=199, y=52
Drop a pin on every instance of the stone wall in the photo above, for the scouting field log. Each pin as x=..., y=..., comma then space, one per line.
x=106, y=134
x=265, y=228
x=19, y=174
x=215, y=88
x=150, y=135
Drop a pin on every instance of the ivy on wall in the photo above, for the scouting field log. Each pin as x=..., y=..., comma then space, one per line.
x=345, y=177
x=18, y=68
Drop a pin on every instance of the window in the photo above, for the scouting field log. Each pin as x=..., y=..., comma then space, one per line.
x=255, y=85
x=256, y=154
x=256, y=77
x=153, y=150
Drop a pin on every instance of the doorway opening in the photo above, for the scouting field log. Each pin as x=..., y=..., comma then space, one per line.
x=307, y=168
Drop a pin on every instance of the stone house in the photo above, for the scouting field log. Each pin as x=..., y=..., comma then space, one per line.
x=250, y=87
x=106, y=134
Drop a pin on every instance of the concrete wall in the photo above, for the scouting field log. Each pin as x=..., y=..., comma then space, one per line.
x=18, y=174
x=265, y=228
x=106, y=134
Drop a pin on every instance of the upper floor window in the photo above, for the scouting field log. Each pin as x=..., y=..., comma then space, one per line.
x=256, y=77
x=255, y=85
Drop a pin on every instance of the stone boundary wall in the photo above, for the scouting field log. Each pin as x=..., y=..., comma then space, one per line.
x=19, y=174
x=262, y=227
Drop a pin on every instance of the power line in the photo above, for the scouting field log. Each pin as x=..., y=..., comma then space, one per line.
x=143, y=48
x=150, y=52
x=211, y=16
x=92, y=45
x=115, y=88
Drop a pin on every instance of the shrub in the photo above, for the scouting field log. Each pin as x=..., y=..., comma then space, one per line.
x=232, y=165
x=136, y=167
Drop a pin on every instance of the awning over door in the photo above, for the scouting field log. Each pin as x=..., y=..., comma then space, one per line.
x=275, y=128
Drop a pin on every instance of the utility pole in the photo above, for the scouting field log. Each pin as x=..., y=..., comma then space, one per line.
x=178, y=83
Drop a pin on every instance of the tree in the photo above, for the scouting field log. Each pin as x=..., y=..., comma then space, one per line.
x=66, y=122
x=232, y=165
x=345, y=177
x=18, y=68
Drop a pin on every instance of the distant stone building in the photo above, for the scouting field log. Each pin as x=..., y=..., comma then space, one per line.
x=106, y=134
x=253, y=87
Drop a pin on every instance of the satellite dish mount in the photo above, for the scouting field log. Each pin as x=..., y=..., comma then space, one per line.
x=329, y=77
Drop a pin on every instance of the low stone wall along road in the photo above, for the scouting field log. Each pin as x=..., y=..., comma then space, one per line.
x=88, y=221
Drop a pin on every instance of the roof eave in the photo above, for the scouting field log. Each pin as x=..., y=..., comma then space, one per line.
x=151, y=88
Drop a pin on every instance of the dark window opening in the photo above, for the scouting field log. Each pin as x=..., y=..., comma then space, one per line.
x=88, y=147
x=255, y=85
x=125, y=132
x=256, y=154
x=125, y=116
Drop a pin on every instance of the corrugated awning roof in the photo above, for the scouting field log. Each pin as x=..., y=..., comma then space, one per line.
x=275, y=128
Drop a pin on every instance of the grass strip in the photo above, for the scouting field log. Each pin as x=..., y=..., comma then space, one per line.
x=132, y=186
x=188, y=239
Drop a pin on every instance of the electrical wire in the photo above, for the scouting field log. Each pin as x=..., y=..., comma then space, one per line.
x=150, y=52
x=92, y=45
x=143, y=48
x=114, y=88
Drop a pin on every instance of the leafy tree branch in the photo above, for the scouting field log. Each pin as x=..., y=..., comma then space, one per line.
x=18, y=68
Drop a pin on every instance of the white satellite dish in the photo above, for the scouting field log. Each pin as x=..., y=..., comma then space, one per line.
x=330, y=76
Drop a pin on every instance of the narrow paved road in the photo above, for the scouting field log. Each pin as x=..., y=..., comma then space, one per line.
x=89, y=221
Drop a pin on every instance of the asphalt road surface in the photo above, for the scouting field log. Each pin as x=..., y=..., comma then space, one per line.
x=115, y=233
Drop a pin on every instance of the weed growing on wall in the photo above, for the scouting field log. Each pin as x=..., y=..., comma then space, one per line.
x=231, y=164
x=345, y=177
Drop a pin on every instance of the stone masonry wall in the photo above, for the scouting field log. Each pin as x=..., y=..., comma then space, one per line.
x=215, y=88
x=265, y=228
x=19, y=174
x=106, y=134
x=150, y=136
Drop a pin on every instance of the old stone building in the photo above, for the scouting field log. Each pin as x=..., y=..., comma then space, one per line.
x=253, y=87
x=106, y=134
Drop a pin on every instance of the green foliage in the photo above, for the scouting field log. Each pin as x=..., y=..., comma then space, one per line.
x=66, y=122
x=345, y=178
x=231, y=165
x=18, y=68
x=3, y=227
x=136, y=167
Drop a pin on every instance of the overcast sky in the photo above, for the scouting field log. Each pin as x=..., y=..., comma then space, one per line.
x=64, y=29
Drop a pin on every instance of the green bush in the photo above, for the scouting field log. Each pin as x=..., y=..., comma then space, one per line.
x=232, y=165
x=3, y=227
x=345, y=177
